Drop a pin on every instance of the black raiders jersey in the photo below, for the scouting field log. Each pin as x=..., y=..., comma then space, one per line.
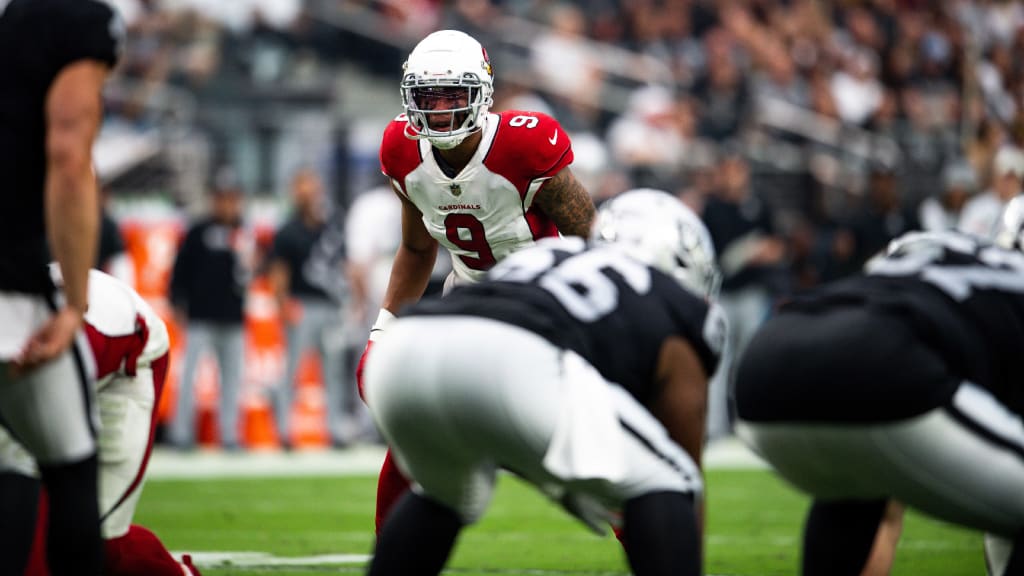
x=614, y=311
x=962, y=296
x=38, y=38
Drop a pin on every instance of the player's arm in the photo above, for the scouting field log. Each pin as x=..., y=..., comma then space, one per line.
x=414, y=260
x=567, y=203
x=71, y=203
x=73, y=112
x=681, y=407
x=682, y=403
x=410, y=273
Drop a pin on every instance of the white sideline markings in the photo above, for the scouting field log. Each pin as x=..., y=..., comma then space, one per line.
x=258, y=560
x=723, y=454
x=267, y=560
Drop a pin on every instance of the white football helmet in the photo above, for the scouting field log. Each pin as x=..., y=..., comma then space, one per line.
x=658, y=229
x=1011, y=226
x=446, y=67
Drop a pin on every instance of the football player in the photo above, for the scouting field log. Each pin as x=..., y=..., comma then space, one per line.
x=482, y=184
x=607, y=415
x=130, y=346
x=56, y=57
x=903, y=384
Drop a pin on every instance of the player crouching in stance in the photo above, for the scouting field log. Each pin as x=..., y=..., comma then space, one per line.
x=580, y=367
x=902, y=384
x=130, y=347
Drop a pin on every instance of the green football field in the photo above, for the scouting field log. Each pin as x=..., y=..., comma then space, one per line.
x=303, y=526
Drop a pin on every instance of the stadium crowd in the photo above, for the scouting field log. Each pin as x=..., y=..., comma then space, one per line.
x=817, y=99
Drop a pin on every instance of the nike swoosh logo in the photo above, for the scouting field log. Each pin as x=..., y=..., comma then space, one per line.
x=554, y=138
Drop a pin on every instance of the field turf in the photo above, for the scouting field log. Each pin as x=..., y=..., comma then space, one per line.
x=753, y=528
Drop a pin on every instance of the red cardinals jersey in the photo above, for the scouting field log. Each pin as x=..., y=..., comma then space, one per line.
x=486, y=211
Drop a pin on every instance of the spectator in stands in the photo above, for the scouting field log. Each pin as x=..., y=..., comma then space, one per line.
x=311, y=314
x=477, y=18
x=981, y=214
x=855, y=88
x=777, y=77
x=981, y=150
x=1002, y=20
x=926, y=140
x=682, y=46
x=208, y=287
x=882, y=215
x=647, y=140
x=942, y=210
x=993, y=74
x=566, y=65
x=751, y=256
x=721, y=91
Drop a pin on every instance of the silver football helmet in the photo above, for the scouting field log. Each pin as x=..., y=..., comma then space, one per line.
x=658, y=229
x=447, y=88
x=1011, y=225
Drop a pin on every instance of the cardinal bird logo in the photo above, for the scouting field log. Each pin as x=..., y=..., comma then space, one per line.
x=486, y=64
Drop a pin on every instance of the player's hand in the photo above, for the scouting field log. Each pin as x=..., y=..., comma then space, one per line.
x=49, y=341
x=360, y=367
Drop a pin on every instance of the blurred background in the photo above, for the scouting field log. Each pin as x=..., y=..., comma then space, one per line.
x=806, y=132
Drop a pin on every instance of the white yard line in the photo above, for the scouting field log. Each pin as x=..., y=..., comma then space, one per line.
x=165, y=464
x=264, y=561
x=267, y=560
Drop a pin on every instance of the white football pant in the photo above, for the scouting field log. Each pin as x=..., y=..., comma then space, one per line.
x=460, y=397
x=51, y=409
x=963, y=463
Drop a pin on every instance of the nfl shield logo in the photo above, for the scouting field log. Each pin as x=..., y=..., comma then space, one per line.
x=455, y=189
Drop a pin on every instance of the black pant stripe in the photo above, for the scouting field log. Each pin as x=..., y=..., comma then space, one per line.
x=83, y=375
x=981, y=430
x=654, y=450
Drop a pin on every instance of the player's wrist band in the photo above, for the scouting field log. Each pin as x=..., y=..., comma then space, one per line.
x=383, y=318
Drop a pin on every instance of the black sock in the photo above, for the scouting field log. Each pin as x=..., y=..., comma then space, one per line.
x=660, y=535
x=839, y=535
x=416, y=539
x=1015, y=567
x=74, y=544
x=19, y=504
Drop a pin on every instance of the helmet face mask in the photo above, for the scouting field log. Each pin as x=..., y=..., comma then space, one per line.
x=659, y=230
x=447, y=89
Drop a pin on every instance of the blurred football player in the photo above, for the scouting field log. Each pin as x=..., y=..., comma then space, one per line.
x=56, y=57
x=606, y=416
x=903, y=384
x=130, y=347
x=482, y=184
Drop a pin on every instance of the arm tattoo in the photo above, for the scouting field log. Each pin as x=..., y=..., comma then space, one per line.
x=568, y=204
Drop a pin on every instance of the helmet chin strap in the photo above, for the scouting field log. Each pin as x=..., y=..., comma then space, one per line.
x=449, y=142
